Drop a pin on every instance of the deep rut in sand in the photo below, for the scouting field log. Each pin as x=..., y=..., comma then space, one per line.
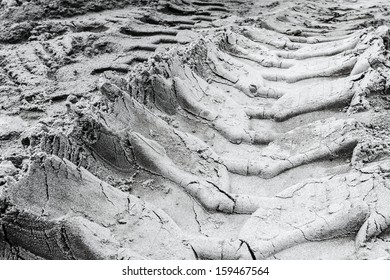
x=195, y=130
